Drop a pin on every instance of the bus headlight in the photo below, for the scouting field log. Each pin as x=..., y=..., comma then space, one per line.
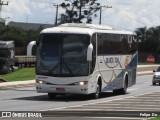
x=40, y=82
x=81, y=83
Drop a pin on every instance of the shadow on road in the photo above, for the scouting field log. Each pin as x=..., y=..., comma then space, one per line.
x=65, y=98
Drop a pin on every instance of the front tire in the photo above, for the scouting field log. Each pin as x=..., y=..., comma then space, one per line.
x=153, y=83
x=51, y=95
x=96, y=95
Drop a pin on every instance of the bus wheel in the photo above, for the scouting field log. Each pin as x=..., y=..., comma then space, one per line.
x=96, y=95
x=153, y=83
x=51, y=95
x=123, y=91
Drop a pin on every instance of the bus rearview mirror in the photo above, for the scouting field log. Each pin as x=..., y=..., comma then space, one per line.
x=89, y=52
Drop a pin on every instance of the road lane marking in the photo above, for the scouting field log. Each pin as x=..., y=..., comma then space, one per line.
x=60, y=108
x=132, y=89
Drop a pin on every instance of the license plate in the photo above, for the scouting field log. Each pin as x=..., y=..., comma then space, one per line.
x=60, y=89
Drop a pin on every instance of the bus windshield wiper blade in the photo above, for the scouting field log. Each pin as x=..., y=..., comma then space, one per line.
x=54, y=67
x=66, y=65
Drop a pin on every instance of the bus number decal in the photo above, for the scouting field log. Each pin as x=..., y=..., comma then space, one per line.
x=112, y=60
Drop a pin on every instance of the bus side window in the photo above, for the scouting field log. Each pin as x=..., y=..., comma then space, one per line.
x=100, y=44
x=133, y=45
x=106, y=44
x=124, y=44
x=115, y=47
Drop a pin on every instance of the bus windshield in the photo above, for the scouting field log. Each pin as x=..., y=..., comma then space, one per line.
x=5, y=53
x=63, y=55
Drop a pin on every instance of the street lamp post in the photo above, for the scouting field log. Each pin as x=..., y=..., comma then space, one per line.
x=80, y=11
x=56, y=5
x=56, y=14
x=100, y=16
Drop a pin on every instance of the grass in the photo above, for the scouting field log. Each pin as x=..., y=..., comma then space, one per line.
x=155, y=118
x=20, y=75
x=145, y=63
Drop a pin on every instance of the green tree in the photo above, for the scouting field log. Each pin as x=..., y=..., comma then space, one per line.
x=20, y=36
x=150, y=40
x=78, y=10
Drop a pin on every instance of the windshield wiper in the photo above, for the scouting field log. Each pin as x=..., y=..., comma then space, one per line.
x=54, y=67
x=66, y=65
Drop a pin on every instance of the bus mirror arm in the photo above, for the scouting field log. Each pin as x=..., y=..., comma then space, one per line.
x=89, y=52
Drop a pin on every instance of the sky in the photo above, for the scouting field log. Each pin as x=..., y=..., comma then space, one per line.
x=124, y=14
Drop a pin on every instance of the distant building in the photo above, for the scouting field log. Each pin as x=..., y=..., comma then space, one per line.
x=29, y=26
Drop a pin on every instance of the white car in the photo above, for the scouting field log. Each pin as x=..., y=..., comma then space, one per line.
x=156, y=76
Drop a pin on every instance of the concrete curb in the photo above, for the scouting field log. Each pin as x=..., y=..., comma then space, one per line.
x=143, y=66
x=17, y=83
x=144, y=73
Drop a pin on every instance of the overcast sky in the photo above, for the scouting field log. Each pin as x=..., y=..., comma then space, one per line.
x=125, y=14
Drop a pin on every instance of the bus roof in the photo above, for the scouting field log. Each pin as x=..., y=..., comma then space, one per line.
x=81, y=28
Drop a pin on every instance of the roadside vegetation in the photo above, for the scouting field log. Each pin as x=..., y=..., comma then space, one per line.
x=145, y=63
x=20, y=75
x=155, y=118
x=20, y=36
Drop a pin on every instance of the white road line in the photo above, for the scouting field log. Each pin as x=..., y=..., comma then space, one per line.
x=132, y=89
x=98, y=102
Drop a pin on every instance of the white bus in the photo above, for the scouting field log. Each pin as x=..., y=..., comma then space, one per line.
x=85, y=59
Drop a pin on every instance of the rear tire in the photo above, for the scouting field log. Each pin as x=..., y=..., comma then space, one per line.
x=122, y=91
x=153, y=83
x=51, y=95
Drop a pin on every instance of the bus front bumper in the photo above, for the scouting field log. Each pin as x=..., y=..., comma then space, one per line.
x=60, y=89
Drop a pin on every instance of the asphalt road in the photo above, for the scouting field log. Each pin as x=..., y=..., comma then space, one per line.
x=140, y=97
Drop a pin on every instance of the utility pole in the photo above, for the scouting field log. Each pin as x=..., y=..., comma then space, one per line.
x=100, y=16
x=56, y=5
x=80, y=10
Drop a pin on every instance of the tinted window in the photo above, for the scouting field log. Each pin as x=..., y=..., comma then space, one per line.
x=115, y=44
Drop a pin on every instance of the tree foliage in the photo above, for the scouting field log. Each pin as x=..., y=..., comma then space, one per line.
x=78, y=11
x=20, y=36
x=150, y=40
